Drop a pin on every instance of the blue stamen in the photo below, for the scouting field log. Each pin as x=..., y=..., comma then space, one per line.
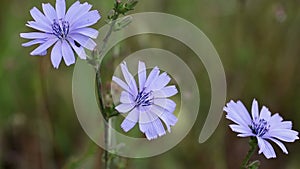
x=260, y=128
x=144, y=99
x=60, y=28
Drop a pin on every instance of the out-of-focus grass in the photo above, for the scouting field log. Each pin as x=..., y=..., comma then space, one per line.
x=258, y=43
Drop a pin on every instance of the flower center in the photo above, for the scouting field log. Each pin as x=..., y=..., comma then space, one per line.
x=260, y=128
x=144, y=99
x=60, y=28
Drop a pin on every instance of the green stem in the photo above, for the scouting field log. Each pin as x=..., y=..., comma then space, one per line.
x=99, y=92
x=103, y=112
x=253, y=146
x=101, y=103
x=106, y=161
x=105, y=40
x=102, y=107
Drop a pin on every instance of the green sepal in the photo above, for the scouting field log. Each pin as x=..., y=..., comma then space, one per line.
x=111, y=112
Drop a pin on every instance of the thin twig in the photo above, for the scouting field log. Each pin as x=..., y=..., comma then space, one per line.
x=105, y=40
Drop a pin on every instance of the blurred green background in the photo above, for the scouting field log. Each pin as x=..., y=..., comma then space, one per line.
x=258, y=42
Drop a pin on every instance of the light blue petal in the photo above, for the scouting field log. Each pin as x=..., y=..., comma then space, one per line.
x=73, y=10
x=281, y=145
x=240, y=129
x=43, y=53
x=245, y=135
x=244, y=114
x=125, y=107
x=268, y=151
x=43, y=47
x=254, y=110
x=50, y=12
x=151, y=78
x=150, y=124
x=38, y=26
x=165, y=92
x=265, y=113
x=90, y=32
x=160, y=82
x=126, y=97
x=120, y=82
x=83, y=41
x=236, y=114
x=275, y=120
x=56, y=55
x=130, y=120
x=144, y=126
x=60, y=7
x=79, y=50
x=284, y=125
x=167, y=117
x=146, y=117
x=160, y=130
x=233, y=116
x=261, y=144
x=281, y=125
x=283, y=135
x=167, y=104
x=33, y=42
x=86, y=20
x=129, y=79
x=150, y=132
x=35, y=35
x=73, y=15
x=39, y=17
x=67, y=53
x=142, y=75
x=127, y=125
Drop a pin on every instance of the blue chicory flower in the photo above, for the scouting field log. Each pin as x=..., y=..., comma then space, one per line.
x=66, y=30
x=147, y=104
x=264, y=126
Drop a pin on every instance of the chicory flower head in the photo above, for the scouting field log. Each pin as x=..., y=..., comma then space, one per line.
x=66, y=30
x=262, y=125
x=147, y=104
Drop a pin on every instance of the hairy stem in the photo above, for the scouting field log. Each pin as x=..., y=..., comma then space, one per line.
x=106, y=115
x=99, y=92
x=102, y=109
x=106, y=139
x=105, y=40
x=253, y=146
